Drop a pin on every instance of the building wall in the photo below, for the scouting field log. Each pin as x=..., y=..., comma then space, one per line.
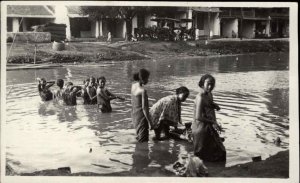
x=179, y=16
x=148, y=22
x=228, y=27
x=120, y=29
x=134, y=24
x=93, y=29
x=248, y=29
x=9, y=26
x=61, y=17
x=216, y=24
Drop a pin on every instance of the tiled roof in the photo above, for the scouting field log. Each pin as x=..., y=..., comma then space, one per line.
x=206, y=9
x=74, y=9
x=29, y=11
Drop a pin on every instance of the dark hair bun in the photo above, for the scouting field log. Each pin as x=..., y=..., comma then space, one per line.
x=136, y=76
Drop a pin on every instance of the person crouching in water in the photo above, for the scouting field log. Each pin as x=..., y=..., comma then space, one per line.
x=207, y=143
x=43, y=88
x=92, y=91
x=70, y=93
x=104, y=96
x=167, y=112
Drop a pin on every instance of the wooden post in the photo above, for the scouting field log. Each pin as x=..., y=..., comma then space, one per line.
x=241, y=35
x=209, y=24
x=34, y=58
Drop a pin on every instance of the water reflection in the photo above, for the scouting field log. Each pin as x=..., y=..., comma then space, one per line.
x=140, y=157
x=252, y=91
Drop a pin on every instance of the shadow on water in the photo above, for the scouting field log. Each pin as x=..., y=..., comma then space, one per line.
x=252, y=90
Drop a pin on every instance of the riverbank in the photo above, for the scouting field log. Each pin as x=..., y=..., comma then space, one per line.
x=94, y=52
x=276, y=166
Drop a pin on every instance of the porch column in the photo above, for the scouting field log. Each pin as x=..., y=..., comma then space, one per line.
x=100, y=28
x=189, y=16
x=268, y=30
x=68, y=28
x=97, y=29
x=196, y=27
x=124, y=29
x=24, y=22
x=209, y=29
x=15, y=25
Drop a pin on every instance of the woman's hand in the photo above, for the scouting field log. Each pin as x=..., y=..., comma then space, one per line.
x=217, y=127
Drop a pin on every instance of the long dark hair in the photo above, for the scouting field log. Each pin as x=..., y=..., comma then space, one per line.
x=141, y=75
x=183, y=90
x=204, y=77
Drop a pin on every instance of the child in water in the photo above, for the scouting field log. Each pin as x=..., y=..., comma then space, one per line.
x=58, y=93
x=92, y=91
x=104, y=96
x=70, y=93
x=84, y=94
x=43, y=88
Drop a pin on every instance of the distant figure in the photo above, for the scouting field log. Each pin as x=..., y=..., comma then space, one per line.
x=207, y=143
x=84, y=94
x=70, y=93
x=140, y=107
x=92, y=91
x=167, y=112
x=43, y=88
x=58, y=93
x=233, y=34
x=109, y=37
x=104, y=96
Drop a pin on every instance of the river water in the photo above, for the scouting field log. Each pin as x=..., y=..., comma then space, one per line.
x=252, y=91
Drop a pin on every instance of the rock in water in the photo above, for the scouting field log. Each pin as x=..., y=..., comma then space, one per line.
x=277, y=141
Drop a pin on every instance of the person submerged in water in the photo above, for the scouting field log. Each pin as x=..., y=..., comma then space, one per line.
x=104, y=96
x=58, y=93
x=84, y=94
x=167, y=112
x=207, y=143
x=43, y=88
x=70, y=93
x=92, y=91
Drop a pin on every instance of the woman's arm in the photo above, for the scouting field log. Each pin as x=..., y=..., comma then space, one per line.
x=145, y=108
x=49, y=84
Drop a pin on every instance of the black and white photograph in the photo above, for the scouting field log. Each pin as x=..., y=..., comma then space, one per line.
x=149, y=91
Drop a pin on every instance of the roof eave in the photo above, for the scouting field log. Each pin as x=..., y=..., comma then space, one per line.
x=30, y=16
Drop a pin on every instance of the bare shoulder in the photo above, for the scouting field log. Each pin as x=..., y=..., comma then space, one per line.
x=136, y=89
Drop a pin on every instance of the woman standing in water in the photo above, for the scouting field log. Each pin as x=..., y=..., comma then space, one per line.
x=167, y=112
x=140, y=107
x=207, y=142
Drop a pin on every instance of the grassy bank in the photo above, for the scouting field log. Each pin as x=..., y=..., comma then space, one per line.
x=81, y=52
x=276, y=166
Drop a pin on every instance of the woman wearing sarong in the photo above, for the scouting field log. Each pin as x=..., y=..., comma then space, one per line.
x=140, y=107
x=167, y=112
x=207, y=143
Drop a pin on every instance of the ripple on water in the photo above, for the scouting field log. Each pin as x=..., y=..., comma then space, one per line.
x=252, y=94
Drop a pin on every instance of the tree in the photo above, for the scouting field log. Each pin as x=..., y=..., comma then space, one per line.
x=124, y=12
